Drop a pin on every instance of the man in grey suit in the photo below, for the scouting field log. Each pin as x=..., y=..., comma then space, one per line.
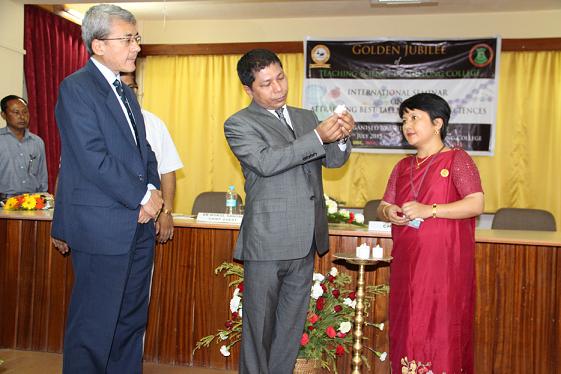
x=281, y=150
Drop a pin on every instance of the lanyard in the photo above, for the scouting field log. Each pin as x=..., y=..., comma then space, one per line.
x=415, y=191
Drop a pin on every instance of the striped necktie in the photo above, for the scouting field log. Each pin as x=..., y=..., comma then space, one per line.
x=280, y=113
x=119, y=86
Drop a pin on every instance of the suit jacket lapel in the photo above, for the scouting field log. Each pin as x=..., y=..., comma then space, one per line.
x=112, y=102
x=271, y=121
x=295, y=121
x=115, y=107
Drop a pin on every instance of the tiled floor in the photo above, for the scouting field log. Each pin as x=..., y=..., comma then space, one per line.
x=29, y=362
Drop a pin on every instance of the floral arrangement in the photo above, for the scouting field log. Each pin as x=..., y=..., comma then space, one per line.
x=413, y=367
x=328, y=330
x=336, y=215
x=28, y=202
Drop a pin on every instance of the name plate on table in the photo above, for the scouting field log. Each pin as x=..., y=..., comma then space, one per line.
x=234, y=219
x=380, y=226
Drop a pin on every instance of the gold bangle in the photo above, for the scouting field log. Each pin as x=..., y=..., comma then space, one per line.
x=384, y=211
x=166, y=211
x=433, y=210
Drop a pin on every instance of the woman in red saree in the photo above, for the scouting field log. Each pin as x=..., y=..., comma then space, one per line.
x=432, y=199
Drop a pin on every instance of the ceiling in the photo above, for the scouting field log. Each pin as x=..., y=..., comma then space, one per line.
x=252, y=9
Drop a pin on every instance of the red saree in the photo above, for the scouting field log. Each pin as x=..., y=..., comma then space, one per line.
x=432, y=278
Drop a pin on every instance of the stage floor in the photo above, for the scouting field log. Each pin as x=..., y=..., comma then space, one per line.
x=31, y=362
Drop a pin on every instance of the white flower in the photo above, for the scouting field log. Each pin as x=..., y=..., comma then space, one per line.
x=225, y=351
x=345, y=327
x=383, y=356
x=223, y=335
x=345, y=213
x=349, y=302
x=317, y=291
x=331, y=206
x=359, y=218
x=333, y=272
x=236, y=292
x=318, y=277
x=235, y=303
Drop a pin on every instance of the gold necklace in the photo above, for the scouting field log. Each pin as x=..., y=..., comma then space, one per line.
x=419, y=163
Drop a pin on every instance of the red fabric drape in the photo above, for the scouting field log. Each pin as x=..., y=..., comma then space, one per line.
x=54, y=49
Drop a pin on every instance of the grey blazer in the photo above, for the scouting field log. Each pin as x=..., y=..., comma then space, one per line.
x=285, y=208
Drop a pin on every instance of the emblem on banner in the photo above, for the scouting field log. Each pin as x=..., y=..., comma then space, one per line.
x=320, y=55
x=481, y=55
x=444, y=172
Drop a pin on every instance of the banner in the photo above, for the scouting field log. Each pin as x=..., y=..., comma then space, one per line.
x=372, y=77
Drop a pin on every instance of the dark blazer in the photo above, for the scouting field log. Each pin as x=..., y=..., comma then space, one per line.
x=285, y=207
x=103, y=174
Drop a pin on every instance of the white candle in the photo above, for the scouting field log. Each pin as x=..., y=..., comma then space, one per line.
x=377, y=252
x=340, y=109
x=363, y=251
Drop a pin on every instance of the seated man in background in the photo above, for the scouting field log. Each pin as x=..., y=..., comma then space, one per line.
x=168, y=162
x=23, y=166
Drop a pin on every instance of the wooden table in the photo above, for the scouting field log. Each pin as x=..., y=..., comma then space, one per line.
x=517, y=318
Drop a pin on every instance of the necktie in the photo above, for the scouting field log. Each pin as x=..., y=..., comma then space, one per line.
x=118, y=85
x=279, y=113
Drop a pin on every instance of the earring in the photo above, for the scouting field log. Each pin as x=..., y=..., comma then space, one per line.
x=436, y=132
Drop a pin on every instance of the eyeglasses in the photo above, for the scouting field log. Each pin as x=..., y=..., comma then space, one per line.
x=127, y=39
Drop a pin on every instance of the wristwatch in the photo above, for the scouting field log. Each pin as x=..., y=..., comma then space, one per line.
x=166, y=211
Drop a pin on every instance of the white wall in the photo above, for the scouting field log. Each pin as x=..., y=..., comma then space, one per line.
x=11, y=49
x=538, y=24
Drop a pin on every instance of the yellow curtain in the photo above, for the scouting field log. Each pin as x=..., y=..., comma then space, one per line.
x=195, y=94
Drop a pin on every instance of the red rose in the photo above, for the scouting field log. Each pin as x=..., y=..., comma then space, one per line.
x=313, y=318
x=330, y=278
x=351, y=217
x=240, y=286
x=228, y=324
x=311, y=328
x=320, y=303
x=39, y=204
x=330, y=331
x=234, y=315
x=352, y=295
x=323, y=287
x=304, y=340
x=336, y=293
x=339, y=351
x=341, y=335
x=337, y=308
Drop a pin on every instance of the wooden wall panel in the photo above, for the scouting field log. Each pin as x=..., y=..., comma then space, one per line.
x=518, y=307
x=9, y=259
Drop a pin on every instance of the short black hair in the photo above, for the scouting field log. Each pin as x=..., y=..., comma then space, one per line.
x=254, y=61
x=431, y=103
x=4, y=102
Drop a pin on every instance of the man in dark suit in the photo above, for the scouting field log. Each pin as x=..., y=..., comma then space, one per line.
x=281, y=150
x=106, y=201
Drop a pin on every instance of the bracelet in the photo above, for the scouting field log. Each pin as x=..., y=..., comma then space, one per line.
x=384, y=211
x=166, y=211
x=433, y=210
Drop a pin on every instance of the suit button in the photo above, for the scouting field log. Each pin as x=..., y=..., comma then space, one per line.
x=312, y=197
x=140, y=177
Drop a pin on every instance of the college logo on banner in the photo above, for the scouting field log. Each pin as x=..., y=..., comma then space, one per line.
x=372, y=77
